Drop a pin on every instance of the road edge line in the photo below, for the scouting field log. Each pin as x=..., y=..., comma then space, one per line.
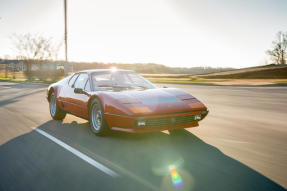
x=79, y=154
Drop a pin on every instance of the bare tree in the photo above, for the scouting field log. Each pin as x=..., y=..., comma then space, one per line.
x=35, y=47
x=278, y=52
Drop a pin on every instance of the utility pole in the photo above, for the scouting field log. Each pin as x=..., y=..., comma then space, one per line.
x=65, y=35
x=67, y=67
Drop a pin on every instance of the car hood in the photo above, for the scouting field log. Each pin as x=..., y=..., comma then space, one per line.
x=155, y=101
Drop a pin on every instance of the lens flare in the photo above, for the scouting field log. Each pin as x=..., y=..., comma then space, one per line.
x=114, y=69
x=175, y=177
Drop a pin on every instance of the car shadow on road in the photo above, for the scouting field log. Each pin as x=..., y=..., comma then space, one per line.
x=149, y=157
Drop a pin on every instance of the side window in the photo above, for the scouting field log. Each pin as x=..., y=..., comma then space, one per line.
x=72, y=79
x=88, y=87
x=81, y=81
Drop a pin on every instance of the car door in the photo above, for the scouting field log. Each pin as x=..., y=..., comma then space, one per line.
x=80, y=101
x=67, y=93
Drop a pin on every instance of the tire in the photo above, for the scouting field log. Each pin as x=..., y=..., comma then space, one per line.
x=55, y=112
x=98, y=122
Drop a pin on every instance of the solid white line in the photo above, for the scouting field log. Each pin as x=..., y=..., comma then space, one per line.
x=79, y=154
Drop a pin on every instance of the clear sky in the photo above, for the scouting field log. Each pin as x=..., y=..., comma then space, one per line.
x=187, y=33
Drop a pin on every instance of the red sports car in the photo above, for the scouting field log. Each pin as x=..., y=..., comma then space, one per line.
x=123, y=100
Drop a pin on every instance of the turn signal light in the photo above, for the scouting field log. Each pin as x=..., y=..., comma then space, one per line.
x=197, y=117
x=141, y=123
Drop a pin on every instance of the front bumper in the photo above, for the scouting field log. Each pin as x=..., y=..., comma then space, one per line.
x=161, y=122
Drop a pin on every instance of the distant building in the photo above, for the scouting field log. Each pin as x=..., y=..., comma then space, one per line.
x=20, y=65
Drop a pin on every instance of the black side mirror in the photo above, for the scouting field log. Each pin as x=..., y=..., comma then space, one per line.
x=79, y=91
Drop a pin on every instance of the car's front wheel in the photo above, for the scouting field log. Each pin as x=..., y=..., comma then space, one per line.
x=55, y=111
x=97, y=119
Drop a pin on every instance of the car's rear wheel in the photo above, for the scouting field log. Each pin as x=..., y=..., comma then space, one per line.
x=55, y=111
x=97, y=119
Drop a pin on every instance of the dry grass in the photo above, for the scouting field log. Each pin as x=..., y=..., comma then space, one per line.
x=208, y=81
x=263, y=72
x=190, y=80
x=14, y=75
x=172, y=78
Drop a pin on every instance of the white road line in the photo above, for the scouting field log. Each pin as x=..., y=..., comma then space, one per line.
x=79, y=154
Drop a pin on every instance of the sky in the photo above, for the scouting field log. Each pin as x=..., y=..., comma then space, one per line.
x=177, y=33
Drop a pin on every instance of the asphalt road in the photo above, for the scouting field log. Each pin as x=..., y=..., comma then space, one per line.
x=241, y=145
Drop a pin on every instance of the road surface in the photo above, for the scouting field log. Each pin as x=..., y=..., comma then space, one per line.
x=241, y=145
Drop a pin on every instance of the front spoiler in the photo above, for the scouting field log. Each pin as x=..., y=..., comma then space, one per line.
x=151, y=129
x=127, y=123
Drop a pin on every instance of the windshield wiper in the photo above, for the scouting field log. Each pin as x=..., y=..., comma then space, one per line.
x=123, y=87
x=140, y=86
x=113, y=86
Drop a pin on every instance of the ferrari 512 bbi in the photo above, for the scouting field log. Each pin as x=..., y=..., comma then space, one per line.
x=123, y=100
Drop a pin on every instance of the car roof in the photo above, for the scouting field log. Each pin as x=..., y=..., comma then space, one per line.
x=103, y=70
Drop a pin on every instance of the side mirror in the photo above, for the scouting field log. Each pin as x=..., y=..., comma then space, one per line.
x=165, y=87
x=79, y=91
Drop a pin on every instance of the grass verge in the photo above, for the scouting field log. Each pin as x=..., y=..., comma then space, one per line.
x=191, y=80
x=25, y=80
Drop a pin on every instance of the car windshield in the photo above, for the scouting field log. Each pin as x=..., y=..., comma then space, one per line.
x=120, y=79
